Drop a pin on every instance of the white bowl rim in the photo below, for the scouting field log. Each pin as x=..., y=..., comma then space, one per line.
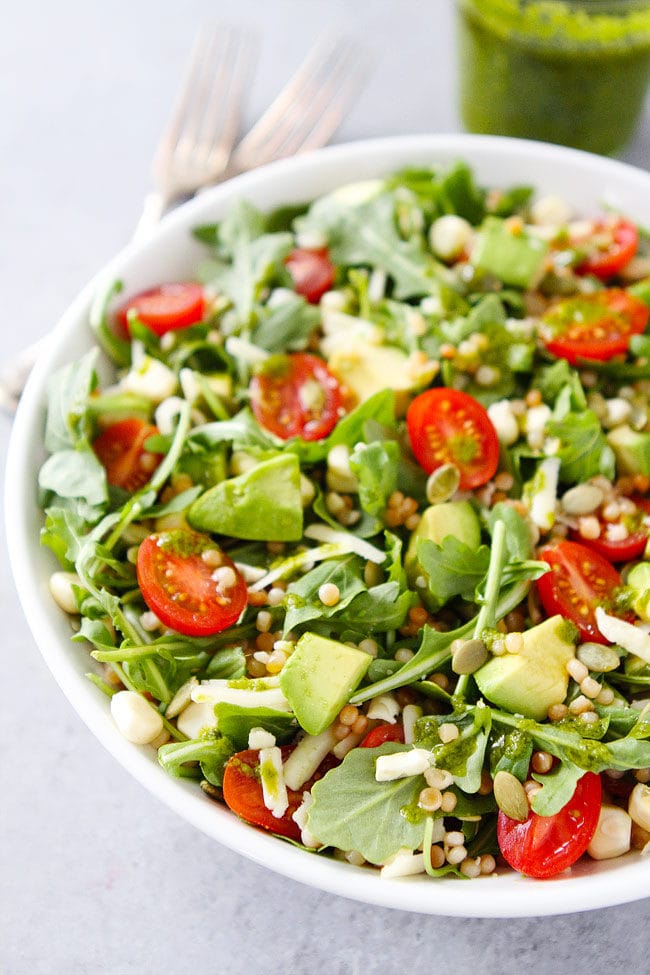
x=510, y=895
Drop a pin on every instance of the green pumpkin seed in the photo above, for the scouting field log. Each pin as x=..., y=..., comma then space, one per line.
x=468, y=656
x=510, y=796
x=442, y=484
x=597, y=657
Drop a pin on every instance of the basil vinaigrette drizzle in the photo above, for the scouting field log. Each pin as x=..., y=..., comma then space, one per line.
x=574, y=73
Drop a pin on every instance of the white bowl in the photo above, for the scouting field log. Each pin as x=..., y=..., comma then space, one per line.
x=584, y=180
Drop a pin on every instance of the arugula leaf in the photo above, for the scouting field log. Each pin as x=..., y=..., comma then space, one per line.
x=558, y=787
x=464, y=756
x=452, y=568
x=246, y=258
x=367, y=236
x=75, y=474
x=287, y=327
x=67, y=404
x=352, y=811
x=303, y=602
x=236, y=722
x=553, y=380
x=375, y=466
x=211, y=752
x=584, y=451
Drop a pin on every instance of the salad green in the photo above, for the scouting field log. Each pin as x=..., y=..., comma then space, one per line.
x=356, y=510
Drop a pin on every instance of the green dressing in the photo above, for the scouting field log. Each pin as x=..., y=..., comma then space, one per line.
x=574, y=73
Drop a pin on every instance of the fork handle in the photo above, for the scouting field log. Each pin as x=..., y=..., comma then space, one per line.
x=155, y=205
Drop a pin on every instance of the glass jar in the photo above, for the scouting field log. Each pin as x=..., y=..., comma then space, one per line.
x=568, y=71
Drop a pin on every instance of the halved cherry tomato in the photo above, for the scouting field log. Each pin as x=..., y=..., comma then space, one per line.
x=543, y=846
x=620, y=240
x=622, y=550
x=120, y=448
x=579, y=581
x=242, y=792
x=448, y=426
x=312, y=272
x=383, y=733
x=193, y=595
x=593, y=326
x=166, y=307
x=296, y=395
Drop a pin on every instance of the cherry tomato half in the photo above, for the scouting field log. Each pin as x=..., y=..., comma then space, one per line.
x=383, y=733
x=242, y=792
x=165, y=308
x=296, y=395
x=593, y=326
x=579, y=581
x=615, y=550
x=448, y=426
x=193, y=595
x=617, y=244
x=312, y=272
x=120, y=448
x=543, y=846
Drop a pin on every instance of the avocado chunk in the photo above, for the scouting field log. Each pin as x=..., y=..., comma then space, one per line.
x=530, y=681
x=631, y=449
x=456, y=518
x=639, y=582
x=263, y=504
x=318, y=679
x=366, y=369
x=514, y=258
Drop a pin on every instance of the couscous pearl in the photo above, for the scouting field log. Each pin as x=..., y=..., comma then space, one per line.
x=448, y=732
x=329, y=594
x=449, y=801
x=456, y=855
x=349, y=714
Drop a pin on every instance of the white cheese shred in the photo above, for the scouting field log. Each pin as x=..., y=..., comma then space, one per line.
x=632, y=638
x=273, y=785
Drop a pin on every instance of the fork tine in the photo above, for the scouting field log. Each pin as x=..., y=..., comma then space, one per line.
x=213, y=85
x=313, y=123
x=332, y=71
x=221, y=113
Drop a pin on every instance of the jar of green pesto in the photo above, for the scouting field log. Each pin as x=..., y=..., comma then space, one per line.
x=568, y=71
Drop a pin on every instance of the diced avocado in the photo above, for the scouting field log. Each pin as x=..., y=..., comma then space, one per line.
x=318, y=679
x=639, y=581
x=456, y=518
x=516, y=258
x=530, y=681
x=263, y=504
x=631, y=448
x=366, y=369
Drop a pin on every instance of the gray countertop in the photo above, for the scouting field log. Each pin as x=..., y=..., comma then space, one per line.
x=96, y=876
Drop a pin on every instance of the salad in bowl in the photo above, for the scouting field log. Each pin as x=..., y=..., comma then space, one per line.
x=352, y=520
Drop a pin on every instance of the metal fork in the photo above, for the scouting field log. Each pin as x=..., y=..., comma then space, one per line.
x=309, y=108
x=196, y=145
x=196, y=148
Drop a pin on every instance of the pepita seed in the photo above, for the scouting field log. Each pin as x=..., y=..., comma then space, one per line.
x=442, y=484
x=510, y=796
x=582, y=499
x=469, y=656
x=597, y=657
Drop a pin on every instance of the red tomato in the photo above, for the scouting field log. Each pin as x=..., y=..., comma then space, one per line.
x=579, y=581
x=312, y=272
x=543, y=846
x=623, y=550
x=446, y=425
x=296, y=395
x=242, y=792
x=184, y=589
x=620, y=241
x=120, y=448
x=383, y=733
x=165, y=308
x=593, y=326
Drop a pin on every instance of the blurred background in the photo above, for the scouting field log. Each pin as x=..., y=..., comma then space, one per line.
x=95, y=875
